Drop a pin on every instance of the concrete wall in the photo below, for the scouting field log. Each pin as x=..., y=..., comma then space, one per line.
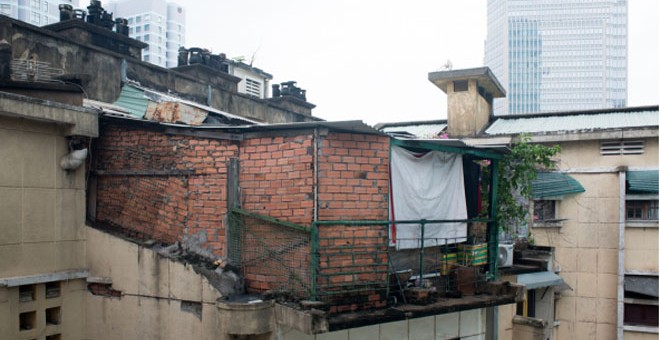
x=470, y=325
x=42, y=206
x=586, y=244
x=105, y=67
x=42, y=216
x=467, y=111
x=69, y=304
x=639, y=336
x=160, y=298
x=641, y=244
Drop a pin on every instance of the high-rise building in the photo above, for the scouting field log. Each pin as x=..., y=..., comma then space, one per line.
x=159, y=23
x=35, y=12
x=558, y=55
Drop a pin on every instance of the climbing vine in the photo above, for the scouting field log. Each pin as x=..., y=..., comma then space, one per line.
x=516, y=172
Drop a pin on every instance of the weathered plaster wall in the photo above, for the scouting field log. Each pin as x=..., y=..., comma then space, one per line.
x=586, y=244
x=42, y=207
x=160, y=298
x=467, y=111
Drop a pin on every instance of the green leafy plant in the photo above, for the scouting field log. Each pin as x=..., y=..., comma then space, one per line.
x=516, y=172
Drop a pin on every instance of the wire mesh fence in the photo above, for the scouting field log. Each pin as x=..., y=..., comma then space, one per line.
x=273, y=256
x=356, y=263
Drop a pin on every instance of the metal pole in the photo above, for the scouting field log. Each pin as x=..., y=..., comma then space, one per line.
x=421, y=255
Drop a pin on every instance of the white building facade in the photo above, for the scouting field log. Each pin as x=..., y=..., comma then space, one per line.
x=159, y=23
x=558, y=55
x=35, y=12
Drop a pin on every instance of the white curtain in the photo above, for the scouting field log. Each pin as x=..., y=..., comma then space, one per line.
x=427, y=186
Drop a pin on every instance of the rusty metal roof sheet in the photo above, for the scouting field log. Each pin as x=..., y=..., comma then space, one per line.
x=575, y=122
x=149, y=104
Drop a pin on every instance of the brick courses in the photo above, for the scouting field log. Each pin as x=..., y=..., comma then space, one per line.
x=163, y=186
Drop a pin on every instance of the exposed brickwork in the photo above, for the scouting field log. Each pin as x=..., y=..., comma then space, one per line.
x=353, y=177
x=164, y=186
x=171, y=203
x=277, y=177
x=353, y=258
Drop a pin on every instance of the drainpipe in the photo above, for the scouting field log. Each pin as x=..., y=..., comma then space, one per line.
x=620, y=266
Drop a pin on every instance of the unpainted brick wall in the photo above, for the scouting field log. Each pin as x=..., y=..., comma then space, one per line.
x=353, y=177
x=276, y=179
x=163, y=207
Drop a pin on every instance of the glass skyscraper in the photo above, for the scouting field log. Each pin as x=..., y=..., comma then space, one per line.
x=558, y=55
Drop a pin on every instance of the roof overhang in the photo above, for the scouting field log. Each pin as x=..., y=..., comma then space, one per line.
x=540, y=280
x=483, y=75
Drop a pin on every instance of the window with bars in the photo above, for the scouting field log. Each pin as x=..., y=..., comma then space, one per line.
x=642, y=210
x=545, y=210
x=622, y=147
x=252, y=87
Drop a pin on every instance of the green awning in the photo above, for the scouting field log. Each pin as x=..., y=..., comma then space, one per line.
x=554, y=184
x=642, y=181
x=540, y=280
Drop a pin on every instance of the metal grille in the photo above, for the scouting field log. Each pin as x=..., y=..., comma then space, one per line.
x=352, y=261
x=32, y=70
x=273, y=255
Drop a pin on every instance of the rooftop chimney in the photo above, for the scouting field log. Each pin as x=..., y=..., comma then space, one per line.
x=470, y=94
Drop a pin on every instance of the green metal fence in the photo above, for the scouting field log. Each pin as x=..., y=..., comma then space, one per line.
x=273, y=255
x=350, y=261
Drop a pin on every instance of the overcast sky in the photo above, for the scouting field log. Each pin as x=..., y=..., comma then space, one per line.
x=369, y=60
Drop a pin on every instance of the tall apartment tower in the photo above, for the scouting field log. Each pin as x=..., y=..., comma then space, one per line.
x=159, y=23
x=558, y=55
x=35, y=12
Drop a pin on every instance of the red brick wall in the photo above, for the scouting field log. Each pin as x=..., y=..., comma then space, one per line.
x=277, y=177
x=353, y=177
x=163, y=207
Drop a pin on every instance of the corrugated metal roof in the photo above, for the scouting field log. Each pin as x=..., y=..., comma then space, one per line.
x=135, y=99
x=419, y=131
x=642, y=181
x=132, y=100
x=574, y=122
x=554, y=184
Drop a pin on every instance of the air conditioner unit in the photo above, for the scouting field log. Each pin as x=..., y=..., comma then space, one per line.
x=505, y=255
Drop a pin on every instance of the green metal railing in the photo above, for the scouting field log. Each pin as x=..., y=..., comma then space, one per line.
x=333, y=260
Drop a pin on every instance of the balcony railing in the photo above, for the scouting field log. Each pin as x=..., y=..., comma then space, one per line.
x=355, y=264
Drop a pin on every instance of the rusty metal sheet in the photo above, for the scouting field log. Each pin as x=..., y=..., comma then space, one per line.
x=173, y=112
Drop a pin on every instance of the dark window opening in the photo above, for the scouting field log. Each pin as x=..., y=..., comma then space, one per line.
x=53, y=316
x=544, y=210
x=640, y=315
x=27, y=320
x=460, y=85
x=26, y=293
x=52, y=290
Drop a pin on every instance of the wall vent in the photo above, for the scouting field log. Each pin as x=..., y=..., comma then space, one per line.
x=622, y=147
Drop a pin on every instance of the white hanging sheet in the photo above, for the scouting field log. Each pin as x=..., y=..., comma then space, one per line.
x=427, y=186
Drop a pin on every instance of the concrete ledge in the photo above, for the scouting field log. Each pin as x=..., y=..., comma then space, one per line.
x=50, y=277
x=78, y=120
x=308, y=322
